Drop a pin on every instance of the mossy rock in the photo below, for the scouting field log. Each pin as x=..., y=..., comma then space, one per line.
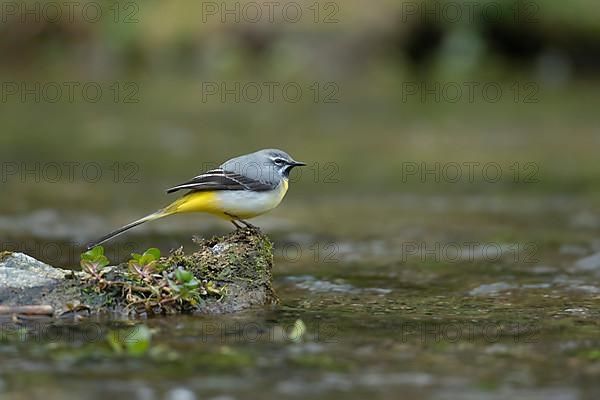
x=4, y=254
x=238, y=267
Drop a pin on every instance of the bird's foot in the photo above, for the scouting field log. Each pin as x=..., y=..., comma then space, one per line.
x=249, y=225
x=234, y=220
x=237, y=226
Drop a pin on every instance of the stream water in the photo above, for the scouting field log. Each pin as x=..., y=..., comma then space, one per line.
x=452, y=298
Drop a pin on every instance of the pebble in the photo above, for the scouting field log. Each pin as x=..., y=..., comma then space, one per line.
x=491, y=288
x=589, y=263
x=20, y=271
x=180, y=393
x=573, y=250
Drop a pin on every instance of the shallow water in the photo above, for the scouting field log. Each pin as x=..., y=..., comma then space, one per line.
x=407, y=283
x=483, y=301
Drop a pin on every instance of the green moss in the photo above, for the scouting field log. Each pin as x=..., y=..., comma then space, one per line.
x=224, y=359
x=4, y=254
x=233, y=272
x=323, y=362
x=592, y=355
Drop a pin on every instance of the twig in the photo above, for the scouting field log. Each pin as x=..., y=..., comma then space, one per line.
x=129, y=286
x=27, y=310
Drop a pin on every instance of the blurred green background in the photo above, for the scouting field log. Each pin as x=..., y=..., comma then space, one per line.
x=408, y=112
x=385, y=87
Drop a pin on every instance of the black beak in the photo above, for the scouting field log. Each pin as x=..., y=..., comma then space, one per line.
x=298, y=164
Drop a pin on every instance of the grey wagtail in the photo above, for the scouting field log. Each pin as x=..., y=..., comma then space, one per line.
x=241, y=188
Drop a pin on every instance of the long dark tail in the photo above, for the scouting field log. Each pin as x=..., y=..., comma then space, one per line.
x=158, y=214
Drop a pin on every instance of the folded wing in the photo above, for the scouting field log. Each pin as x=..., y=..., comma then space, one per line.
x=219, y=179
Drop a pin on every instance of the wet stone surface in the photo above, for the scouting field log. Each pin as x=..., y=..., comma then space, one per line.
x=382, y=314
x=238, y=266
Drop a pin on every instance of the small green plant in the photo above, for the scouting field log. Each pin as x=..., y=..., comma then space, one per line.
x=186, y=287
x=297, y=332
x=146, y=283
x=4, y=254
x=134, y=341
x=94, y=262
x=212, y=288
x=143, y=267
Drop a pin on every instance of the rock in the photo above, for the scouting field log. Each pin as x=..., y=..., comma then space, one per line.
x=543, y=269
x=181, y=393
x=19, y=271
x=26, y=281
x=308, y=282
x=491, y=289
x=573, y=250
x=589, y=263
x=582, y=311
x=585, y=220
x=591, y=289
x=240, y=264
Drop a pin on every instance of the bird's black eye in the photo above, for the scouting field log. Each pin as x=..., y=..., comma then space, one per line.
x=279, y=161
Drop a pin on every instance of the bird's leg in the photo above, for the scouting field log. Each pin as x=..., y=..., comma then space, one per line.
x=233, y=219
x=248, y=224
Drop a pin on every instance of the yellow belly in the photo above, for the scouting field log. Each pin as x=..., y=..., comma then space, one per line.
x=196, y=202
x=240, y=203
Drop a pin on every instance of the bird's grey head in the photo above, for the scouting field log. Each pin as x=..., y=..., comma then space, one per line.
x=269, y=165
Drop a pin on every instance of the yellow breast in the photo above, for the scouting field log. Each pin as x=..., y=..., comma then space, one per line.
x=241, y=203
x=196, y=202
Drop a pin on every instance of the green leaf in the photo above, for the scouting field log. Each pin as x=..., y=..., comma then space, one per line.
x=102, y=262
x=138, y=340
x=134, y=342
x=183, y=276
x=153, y=253
x=112, y=337
x=174, y=286
x=97, y=251
x=92, y=253
x=297, y=331
x=94, y=258
x=192, y=284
